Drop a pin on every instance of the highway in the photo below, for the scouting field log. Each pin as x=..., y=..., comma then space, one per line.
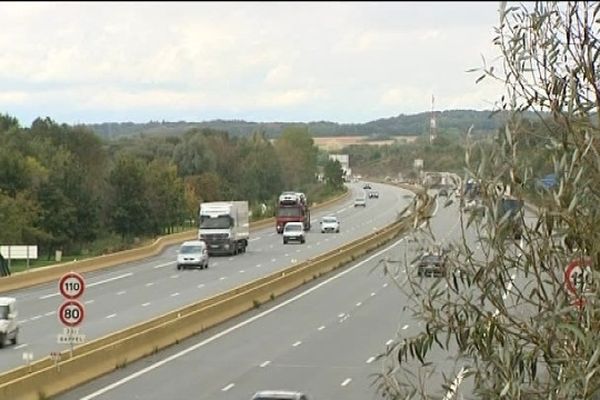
x=323, y=339
x=121, y=296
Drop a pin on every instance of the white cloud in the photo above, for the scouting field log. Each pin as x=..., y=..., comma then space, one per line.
x=337, y=61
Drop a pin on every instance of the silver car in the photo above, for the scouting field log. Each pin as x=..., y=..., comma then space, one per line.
x=279, y=395
x=192, y=254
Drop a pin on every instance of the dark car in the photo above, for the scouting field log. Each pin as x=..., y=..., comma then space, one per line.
x=432, y=264
x=373, y=194
x=366, y=186
x=443, y=192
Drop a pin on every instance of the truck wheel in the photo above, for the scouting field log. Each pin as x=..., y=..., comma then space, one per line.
x=14, y=339
x=2, y=340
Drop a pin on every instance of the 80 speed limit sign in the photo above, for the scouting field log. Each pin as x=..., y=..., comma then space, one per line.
x=71, y=313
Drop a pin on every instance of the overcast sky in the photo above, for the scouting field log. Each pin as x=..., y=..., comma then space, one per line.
x=341, y=62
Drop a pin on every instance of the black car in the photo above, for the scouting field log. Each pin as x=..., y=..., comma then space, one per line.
x=443, y=192
x=432, y=264
x=366, y=186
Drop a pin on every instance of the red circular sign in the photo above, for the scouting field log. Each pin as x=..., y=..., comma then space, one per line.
x=576, y=274
x=71, y=285
x=71, y=313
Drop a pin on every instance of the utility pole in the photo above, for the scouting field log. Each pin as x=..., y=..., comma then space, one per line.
x=432, y=125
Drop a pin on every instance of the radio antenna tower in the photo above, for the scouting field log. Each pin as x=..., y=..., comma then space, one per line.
x=432, y=126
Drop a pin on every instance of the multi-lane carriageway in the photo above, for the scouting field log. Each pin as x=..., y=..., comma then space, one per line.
x=323, y=339
x=124, y=295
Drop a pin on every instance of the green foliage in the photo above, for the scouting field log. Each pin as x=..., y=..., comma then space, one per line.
x=297, y=156
x=502, y=311
x=334, y=174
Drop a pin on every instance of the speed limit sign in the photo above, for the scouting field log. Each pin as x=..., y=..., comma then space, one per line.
x=71, y=313
x=71, y=285
x=578, y=275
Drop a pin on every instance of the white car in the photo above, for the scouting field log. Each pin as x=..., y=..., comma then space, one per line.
x=192, y=254
x=330, y=223
x=279, y=395
x=293, y=231
x=360, y=202
x=9, y=326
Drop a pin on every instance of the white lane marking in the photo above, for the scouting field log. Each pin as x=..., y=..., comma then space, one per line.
x=23, y=321
x=242, y=271
x=149, y=284
x=271, y=246
x=258, y=265
x=273, y=260
x=347, y=381
x=385, y=285
x=50, y=313
x=20, y=346
x=145, y=304
x=175, y=294
x=253, y=239
x=111, y=316
x=298, y=251
x=215, y=264
x=322, y=327
x=163, y=265
x=47, y=296
x=370, y=360
x=35, y=317
x=175, y=276
x=200, y=286
x=226, y=388
x=455, y=383
x=298, y=343
x=405, y=327
x=341, y=315
x=89, y=301
x=359, y=304
x=309, y=246
x=114, y=278
x=222, y=278
x=230, y=258
x=121, y=292
x=265, y=364
x=286, y=255
x=272, y=234
x=389, y=342
x=372, y=294
x=235, y=327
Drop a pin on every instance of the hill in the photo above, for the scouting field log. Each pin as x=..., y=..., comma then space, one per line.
x=450, y=122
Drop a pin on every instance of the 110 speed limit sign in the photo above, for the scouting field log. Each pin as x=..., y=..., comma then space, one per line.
x=71, y=313
x=71, y=285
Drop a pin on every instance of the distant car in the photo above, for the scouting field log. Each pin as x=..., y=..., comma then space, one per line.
x=279, y=395
x=443, y=192
x=360, y=202
x=432, y=264
x=474, y=206
x=373, y=194
x=330, y=223
x=192, y=254
x=293, y=231
x=366, y=186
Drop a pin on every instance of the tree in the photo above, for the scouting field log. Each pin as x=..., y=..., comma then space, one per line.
x=297, y=156
x=166, y=196
x=334, y=174
x=129, y=201
x=528, y=337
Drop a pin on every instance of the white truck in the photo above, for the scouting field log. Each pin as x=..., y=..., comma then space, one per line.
x=224, y=226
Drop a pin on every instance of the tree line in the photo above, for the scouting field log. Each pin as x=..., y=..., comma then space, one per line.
x=64, y=187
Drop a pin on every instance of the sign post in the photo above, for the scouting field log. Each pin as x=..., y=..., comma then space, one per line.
x=578, y=275
x=71, y=312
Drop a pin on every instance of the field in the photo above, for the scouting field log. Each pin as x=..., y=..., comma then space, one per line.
x=337, y=142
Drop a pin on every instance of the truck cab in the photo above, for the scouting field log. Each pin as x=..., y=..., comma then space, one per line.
x=224, y=226
x=9, y=326
x=292, y=207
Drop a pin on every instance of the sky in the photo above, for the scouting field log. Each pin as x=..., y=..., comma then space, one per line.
x=345, y=62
